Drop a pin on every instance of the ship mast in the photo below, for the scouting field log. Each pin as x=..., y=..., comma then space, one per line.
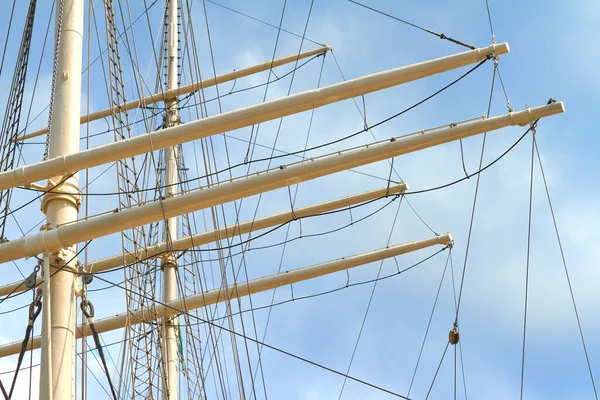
x=59, y=322
x=169, y=261
x=62, y=232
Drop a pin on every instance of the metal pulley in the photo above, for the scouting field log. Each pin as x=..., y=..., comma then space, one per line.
x=87, y=278
x=31, y=280
x=453, y=336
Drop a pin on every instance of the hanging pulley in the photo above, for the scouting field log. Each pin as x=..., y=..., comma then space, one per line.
x=453, y=336
x=31, y=280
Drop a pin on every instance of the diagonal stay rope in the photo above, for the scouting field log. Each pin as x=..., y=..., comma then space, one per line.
x=88, y=311
x=527, y=263
x=564, y=261
x=277, y=349
x=440, y=35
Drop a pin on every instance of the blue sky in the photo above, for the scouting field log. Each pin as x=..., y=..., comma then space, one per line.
x=552, y=55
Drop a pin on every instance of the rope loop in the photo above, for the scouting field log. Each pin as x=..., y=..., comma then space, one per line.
x=87, y=308
x=35, y=307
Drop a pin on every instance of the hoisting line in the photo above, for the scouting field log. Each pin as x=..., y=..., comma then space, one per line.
x=88, y=310
x=34, y=310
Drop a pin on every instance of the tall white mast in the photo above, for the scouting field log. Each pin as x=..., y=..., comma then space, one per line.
x=59, y=352
x=169, y=262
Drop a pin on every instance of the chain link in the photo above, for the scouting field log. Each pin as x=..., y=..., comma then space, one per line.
x=54, y=73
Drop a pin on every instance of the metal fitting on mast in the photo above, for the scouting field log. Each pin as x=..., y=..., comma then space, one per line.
x=67, y=189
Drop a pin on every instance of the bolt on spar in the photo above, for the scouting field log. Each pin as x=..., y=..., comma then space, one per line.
x=57, y=242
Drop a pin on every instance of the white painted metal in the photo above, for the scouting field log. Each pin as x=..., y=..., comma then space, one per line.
x=192, y=87
x=245, y=288
x=169, y=262
x=237, y=189
x=62, y=209
x=229, y=121
x=46, y=374
x=199, y=239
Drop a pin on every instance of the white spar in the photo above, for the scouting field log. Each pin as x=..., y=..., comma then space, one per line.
x=65, y=165
x=199, y=239
x=192, y=87
x=62, y=236
x=241, y=289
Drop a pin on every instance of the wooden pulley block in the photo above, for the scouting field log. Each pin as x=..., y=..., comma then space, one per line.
x=453, y=337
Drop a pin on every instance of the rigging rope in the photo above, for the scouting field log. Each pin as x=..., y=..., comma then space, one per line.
x=462, y=280
x=34, y=311
x=12, y=116
x=437, y=370
x=440, y=35
x=12, y=13
x=528, y=259
x=564, y=262
x=277, y=349
x=87, y=309
x=437, y=295
x=265, y=23
x=370, y=302
x=297, y=152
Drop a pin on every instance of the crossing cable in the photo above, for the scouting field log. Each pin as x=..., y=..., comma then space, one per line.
x=205, y=144
x=437, y=370
x=248, y=154
x=564, y=261
x=42, y=192
x=223, y=263
x=252, y=145
x=87, y=309
x=12, y=118
x=296, y=299
x=194, y=69
x=346, y=286
x=129, y=27
x=12, y=12
x=366, y=314
x=437, y=295
x=264, y=22
x=34, y=311
x=35, y=83
x=478, y=172
x=410, y=192
x=316, y=147
x=462, y=280
x=528, y=259
x=440, y=35
x=394, y=197
x=292, y=201
x=207, y=149
x=487, y=6
x=462, y=364
x=363, y=115
x=274, y=348
x=406, y=269
x=57, y=267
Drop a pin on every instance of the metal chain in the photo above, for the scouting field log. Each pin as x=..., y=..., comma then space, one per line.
x=54, y=73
